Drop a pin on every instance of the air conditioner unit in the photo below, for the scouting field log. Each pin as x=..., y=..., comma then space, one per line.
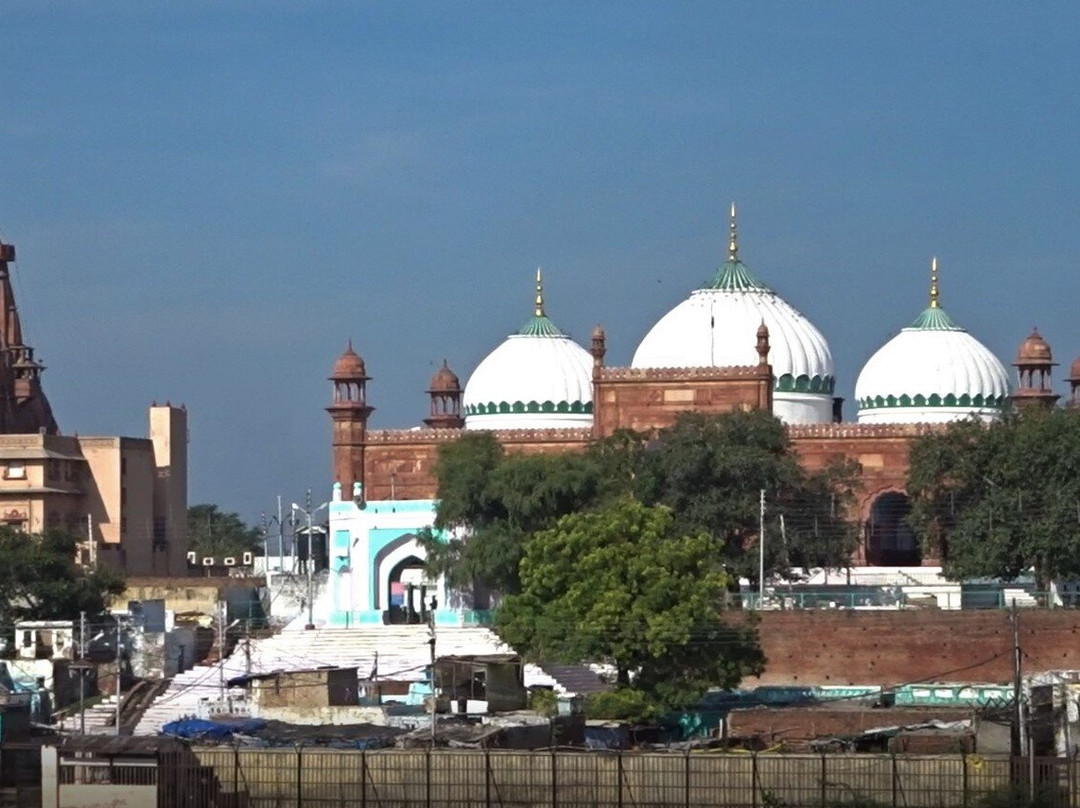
x=249, y=559
x=192, y=558
x=208, y=561
x=230, y=561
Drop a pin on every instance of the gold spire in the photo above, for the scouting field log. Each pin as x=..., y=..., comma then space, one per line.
x=933, y=283
x=733, y=237
x=539, y=311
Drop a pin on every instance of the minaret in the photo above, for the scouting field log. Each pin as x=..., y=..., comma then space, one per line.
x=1033, y=364
x=445, y=392
x=349, y=413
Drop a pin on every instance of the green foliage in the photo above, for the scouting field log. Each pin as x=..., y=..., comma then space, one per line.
x=621, y=584
x=1019, y=795
x=622, y=704
x=501, y=501
x=40, y=580
x=544, y=702
x=710, y=471
x=212, y=532
x=998, y=500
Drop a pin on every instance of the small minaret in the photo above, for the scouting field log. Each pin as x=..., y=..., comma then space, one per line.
x=598, y=348
x=445, y=392
x=349, y=413
x=763, y=344
x=1033, y=364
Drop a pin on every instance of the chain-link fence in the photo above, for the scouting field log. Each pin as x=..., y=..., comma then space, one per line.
x=324, y=778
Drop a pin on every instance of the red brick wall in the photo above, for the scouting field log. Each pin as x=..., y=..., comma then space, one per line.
x=890, y=648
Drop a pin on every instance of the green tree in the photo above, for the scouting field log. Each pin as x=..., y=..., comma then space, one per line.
x=212, y=532
x=40, y=580
x=622, y=584
x=500, y=501
x=710, y=470
x=1002, y=499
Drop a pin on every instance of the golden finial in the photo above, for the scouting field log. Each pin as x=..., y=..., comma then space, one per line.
x=733, y=237
x=933, y=283
x=539, y=311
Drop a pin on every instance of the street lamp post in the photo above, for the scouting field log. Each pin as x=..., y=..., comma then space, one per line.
x=310, y=563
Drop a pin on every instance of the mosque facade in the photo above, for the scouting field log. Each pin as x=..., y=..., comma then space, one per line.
x=733, y=344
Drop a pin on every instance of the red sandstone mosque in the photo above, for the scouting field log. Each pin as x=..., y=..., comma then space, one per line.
x=732, y=344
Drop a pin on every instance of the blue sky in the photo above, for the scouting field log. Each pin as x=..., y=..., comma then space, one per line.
x=209, y=198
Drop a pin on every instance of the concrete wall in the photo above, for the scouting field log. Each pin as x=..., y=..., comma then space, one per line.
x=893, y=647
x=191, y=594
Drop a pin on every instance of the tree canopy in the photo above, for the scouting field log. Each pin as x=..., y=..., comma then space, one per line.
x=212, y=532
x=40, y=580
x=999, y=500
x=709, y=470
x=500, y=501
x=621, y=584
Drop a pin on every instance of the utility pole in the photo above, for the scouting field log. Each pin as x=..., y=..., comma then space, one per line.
x=431, y=642
x=310, y=598
x=280, y=537
x=119, y=640
x=221, y=652
x=761, y=551
x=1014, y=619
x=82, y=673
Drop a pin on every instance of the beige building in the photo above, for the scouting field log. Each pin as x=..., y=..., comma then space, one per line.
x=130, y=494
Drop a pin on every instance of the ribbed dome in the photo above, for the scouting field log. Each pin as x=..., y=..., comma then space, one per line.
x=1074, y=370
x=444, y=380
x=717, y=325
x=933, y=371
x=538, y=378
x=349, y=365
x=1034, y=351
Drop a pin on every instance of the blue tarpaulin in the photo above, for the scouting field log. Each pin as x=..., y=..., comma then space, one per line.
x=200, y=729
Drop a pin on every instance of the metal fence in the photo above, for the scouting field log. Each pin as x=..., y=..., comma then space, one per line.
x=310, y=778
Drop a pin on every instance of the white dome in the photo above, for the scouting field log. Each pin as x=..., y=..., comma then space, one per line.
x=716, y=327
x=538, y=378
x=933, y=371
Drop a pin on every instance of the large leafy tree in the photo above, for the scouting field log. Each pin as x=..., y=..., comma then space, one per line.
x=623, y=584
x=40, y=580
x=499, y=501
x=711, y=470
x=1002, y=499
x=213, y=532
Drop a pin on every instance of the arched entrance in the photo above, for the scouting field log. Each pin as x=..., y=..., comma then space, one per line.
x=410, y=591
x=890, y=540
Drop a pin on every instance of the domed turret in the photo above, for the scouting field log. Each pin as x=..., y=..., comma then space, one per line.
x=444, y=381
x=445, y=392
x=1034, y=365
x=349, y=365
x=538, y=378
x=933, y=371
x=1034, y=351
x=1074, y=383
x=716, y=327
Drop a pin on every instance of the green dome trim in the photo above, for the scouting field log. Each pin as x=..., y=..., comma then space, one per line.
x=547, y=407
x=540, y=326
x=934, y=318
x=734, y=276
x=789, y=383
x=964, y=401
